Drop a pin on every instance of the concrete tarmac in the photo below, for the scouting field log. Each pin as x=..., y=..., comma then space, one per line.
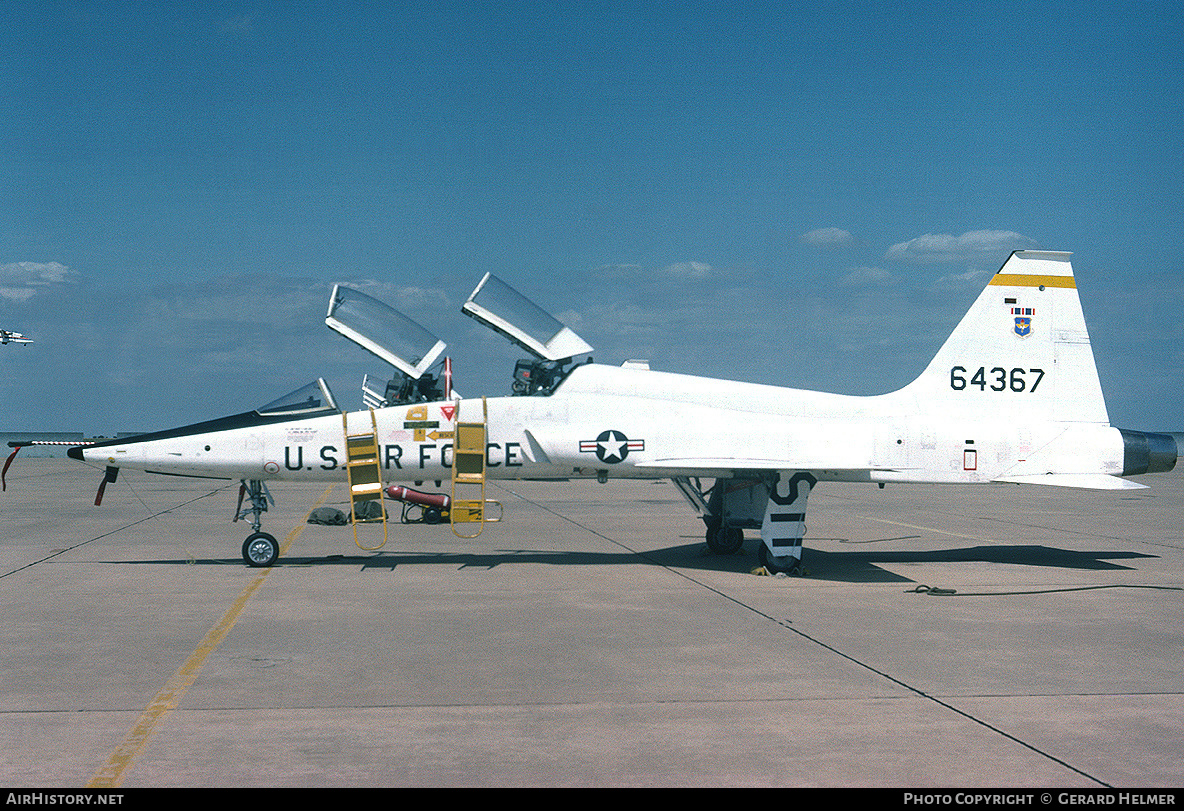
x=589, y=639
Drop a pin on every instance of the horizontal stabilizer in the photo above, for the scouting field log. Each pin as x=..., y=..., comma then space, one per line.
x=1087, y=481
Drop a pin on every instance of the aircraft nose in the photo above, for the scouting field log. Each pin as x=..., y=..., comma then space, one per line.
x=75, y=453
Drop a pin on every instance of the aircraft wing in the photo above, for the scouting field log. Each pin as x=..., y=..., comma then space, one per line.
x=702, y=465
x=716, y=463
x=1087, y=481
x=706, y=467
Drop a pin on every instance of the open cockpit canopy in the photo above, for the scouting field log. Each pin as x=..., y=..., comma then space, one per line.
x=412, y=350
x=383, y=331
x=509, y=313
x=503, y=309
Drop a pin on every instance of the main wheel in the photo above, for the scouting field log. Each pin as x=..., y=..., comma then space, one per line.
x=725, y=540
x=260, y=550
x=778, y=564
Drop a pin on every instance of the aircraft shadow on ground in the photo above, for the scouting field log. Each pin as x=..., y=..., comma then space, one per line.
x=843, y=566
x=863, y=566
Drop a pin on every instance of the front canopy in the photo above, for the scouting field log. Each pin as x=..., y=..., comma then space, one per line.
x=312, y=400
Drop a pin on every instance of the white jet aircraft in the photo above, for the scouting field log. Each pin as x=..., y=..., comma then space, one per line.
x=7, y=337
x=1012, y=396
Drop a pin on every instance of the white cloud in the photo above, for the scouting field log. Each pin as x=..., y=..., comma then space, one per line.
x=409, y=300
x=826, y=236
x=618, y=269
x=958, y=281
x=971, y=246
x=20, y=281
x=17, y=293
x=868, y=277
x=240, y=25
x=572, y=319
x=688, y=270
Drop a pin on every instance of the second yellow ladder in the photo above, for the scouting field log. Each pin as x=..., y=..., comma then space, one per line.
x=469, y=504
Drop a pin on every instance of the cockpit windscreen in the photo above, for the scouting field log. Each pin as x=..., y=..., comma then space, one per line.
x=308, y=401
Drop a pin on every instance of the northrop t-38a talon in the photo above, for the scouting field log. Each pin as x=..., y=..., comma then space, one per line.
x=1012, y=396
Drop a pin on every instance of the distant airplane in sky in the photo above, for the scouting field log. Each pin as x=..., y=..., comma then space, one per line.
x=13, y=337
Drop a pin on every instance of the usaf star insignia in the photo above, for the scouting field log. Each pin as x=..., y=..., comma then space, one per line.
x=611, y=446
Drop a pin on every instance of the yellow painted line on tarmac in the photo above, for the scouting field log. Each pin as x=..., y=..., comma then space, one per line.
x=111, y=773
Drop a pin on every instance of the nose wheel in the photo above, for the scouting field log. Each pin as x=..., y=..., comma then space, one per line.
x=260, y=550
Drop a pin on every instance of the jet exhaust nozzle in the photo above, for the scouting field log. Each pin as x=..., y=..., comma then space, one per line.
x=1144, y=452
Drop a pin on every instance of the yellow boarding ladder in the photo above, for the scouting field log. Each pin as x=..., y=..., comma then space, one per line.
x=468, y=474
x=364, y=469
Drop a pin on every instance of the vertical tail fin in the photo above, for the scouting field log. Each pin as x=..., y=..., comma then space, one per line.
x=1022, y=351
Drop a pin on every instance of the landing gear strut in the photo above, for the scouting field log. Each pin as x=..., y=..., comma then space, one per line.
x=260, y=549
x=778, y=564
x=775, y=503
x=724, y=540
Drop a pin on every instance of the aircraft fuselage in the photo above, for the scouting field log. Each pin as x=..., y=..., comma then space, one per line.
x=663, y=425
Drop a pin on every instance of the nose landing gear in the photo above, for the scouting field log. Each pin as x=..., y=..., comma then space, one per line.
x=260, y=549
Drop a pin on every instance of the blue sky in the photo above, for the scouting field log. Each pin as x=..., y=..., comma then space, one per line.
x=804, y=195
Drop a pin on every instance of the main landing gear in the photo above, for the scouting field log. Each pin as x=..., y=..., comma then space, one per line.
x=774, y=503
x=778, y=564
x=724, y=540
x=728, y=540
x=259, y=549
